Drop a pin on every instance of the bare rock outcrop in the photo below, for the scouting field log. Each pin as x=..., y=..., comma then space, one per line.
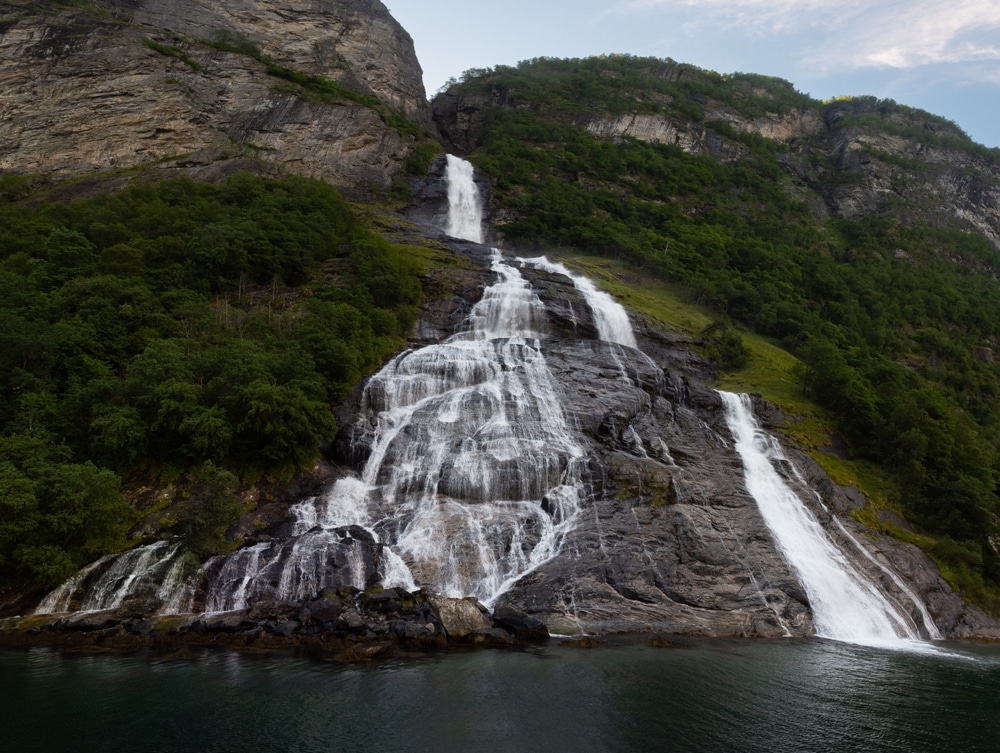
x=191, y=85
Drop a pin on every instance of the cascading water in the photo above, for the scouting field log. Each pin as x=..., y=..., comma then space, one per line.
x=145, y=569
x=472, y=481
x=846, y=605
x=610, y=318
x=474, y=468
x=473, y=478
x=465, y=210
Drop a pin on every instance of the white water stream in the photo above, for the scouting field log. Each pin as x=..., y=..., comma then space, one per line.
x=610, y=318
x=465, y=210
x=846, y=605
x=145, y=569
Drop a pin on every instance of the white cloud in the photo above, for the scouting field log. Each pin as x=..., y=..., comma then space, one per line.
x=853, y=33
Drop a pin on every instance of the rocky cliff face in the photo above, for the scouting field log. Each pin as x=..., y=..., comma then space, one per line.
x=184, y=84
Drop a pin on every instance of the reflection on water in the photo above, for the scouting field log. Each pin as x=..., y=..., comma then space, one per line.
x=789, y=695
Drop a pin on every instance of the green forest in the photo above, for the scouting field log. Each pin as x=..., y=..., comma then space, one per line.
x=176, y=328
x=894, y=319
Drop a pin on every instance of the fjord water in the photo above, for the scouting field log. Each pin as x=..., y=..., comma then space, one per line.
x=710, y=696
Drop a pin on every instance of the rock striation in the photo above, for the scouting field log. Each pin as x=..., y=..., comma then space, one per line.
x=185, y=85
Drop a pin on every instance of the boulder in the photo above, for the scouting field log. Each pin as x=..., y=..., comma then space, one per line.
x=459, y=617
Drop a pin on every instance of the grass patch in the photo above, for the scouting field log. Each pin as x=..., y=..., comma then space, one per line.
x=172, y=52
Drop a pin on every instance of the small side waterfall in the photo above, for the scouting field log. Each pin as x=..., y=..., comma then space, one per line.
x=612, y=321
x=846, y=605
x=465, y=210
x=107, y=583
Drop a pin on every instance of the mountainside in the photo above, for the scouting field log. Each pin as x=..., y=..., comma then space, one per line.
x=328, y=89
x=200, y=401
x=862, y=235
x=849, y=158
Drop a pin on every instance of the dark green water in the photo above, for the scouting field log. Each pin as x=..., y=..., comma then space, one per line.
x=714, y=696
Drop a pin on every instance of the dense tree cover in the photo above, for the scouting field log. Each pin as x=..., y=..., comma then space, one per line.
x=896, y=323
x=173, y=327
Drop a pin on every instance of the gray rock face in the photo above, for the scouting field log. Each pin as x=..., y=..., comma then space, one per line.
x=670, y=540
x=140, y=84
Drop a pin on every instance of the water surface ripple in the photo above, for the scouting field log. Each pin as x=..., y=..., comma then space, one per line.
x=712, y=696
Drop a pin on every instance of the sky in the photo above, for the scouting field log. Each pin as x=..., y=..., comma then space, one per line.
x=942, y=56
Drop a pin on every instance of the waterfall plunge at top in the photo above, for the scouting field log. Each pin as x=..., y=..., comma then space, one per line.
x=465, y=211
x=846, y=605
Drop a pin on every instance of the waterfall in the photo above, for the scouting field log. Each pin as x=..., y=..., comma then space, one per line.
x=107, y=583
x=60, y=600
x=465, y=211
x=846, y=605
x=473, y=479
x=612, y=321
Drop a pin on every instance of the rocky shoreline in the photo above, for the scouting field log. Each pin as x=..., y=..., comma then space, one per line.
x=345, y=625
